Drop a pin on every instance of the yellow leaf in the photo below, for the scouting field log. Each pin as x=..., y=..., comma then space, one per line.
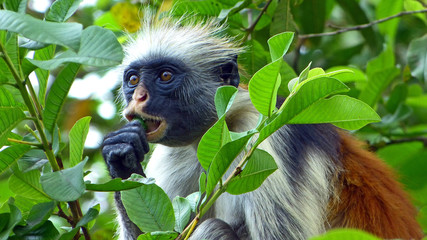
x=127, y=15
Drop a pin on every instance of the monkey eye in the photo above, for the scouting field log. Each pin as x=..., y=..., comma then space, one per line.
x=134, y=80
x=166, y=76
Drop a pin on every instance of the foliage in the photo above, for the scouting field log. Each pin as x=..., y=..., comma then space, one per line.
x=45, y=191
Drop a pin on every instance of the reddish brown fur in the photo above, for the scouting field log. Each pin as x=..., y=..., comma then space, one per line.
x=370, y=198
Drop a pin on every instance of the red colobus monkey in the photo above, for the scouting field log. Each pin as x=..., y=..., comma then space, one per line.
x=325, y=178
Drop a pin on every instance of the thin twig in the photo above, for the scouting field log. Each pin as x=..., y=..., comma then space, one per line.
x=415, y=139
x=252, y=27
x=86, y=233
x=375, y=147
x=62, y=214
x=359, y=27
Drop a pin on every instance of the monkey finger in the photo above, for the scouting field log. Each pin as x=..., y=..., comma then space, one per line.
x=131, y=138
x=126, y=129
x=121, y=159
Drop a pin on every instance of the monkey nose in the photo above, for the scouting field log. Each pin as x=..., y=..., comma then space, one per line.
x=140, y=94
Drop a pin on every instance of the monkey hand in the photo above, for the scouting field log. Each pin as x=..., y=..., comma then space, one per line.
x=124, y=149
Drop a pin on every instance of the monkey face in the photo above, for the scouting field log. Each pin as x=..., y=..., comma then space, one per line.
x=175, y=103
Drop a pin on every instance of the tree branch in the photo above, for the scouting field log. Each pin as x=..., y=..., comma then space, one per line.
x=359, y=27
x=252, y=27
x=375, y=147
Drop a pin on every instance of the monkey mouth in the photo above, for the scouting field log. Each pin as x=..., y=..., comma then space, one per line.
x=154, y=126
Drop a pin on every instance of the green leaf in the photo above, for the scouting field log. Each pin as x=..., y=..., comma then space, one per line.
x=194, y=200
x=224, y=98
x=11, y=154
x=283, y=19
x=265, y=83
x=417, y=58
x=149, y=208
x=413, y=5
x=182, y=210
x=383, y=61
x=422, y=218
x=305, y=94
x=118, y=184
x=348, y=74
x=223, y=160
x=225, y=13
x=380, y=71
x=207, y=7
x=304, y=74
x=202, y=182
x=99, y=47
x=57, y=95
x=64, y=34
x=260, y=165
x=31, y=45
x=18, y=6
x=386, y=9
x=287, y=74
x=418, y=101
x=279, y=44
x=263, y=88
x=397, y=97
x=14, y=218
x=13, y=50
x=33, y=159
x=312, y=17
x=38, y=215
x=168, y=235
x=218, y=134
x=347, y=234
x=413, y=174
x=47, y=231
x=212, y=141
x=7, y=99
x=28, y=185
x=26, y=204
x=9, y=118
x=4, y=219
x=253, y=59
x=377, y=83
x=77, y=137
x=356, y=13
x=64, y=185
x=342, y=111
x=315, y=72
x=61, y=10
x=10, y=114
x=397, y=155
x=43, y=75
x=108, y=21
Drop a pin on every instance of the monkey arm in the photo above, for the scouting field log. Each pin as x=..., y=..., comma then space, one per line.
x=123, y=150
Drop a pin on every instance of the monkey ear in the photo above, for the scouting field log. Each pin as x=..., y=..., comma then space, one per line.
x=229, y=73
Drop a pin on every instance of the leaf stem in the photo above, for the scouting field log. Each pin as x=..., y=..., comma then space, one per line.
x=31, y=108
x=35, y=99
x=193, y=225
x=25, y=142
x=203, y=209
x=30, y=130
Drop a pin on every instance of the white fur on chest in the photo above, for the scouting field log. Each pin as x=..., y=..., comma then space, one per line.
x=175, y=169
